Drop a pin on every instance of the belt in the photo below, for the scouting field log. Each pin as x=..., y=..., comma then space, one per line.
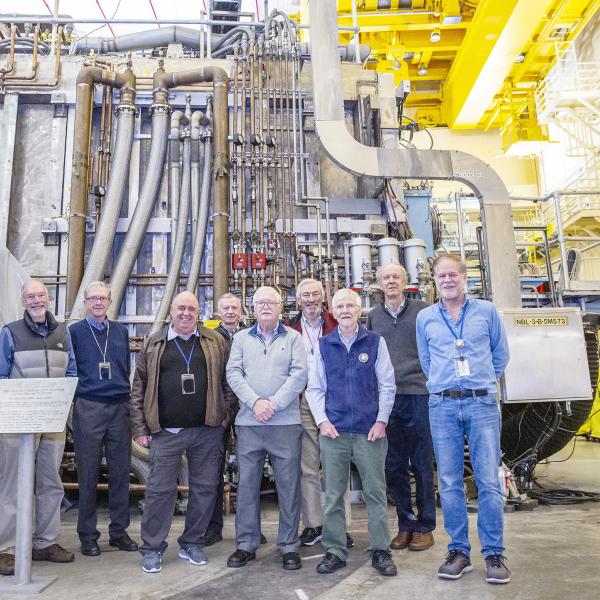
x=463, y=393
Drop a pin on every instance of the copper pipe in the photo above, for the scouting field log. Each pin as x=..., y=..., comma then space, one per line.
x=11, y=58
x=34, y=60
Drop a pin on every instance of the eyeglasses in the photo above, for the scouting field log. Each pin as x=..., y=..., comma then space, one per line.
x=98, y=298
x=265, y=303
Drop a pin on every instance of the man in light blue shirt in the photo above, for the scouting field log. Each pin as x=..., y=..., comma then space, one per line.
x=463, y=351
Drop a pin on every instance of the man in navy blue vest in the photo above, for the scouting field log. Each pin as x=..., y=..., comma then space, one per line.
x=35, y=346
x=351, y=393
x=101, y=419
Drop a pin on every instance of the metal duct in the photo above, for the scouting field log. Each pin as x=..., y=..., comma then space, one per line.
x=199, y=239
x=143, y=210
x=183, y=213
x=79, y=175
x=177, y=119
x=347, y=51
x=353, y=156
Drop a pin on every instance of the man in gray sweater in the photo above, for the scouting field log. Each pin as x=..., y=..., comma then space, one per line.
x=409, y=438
x=267, y=371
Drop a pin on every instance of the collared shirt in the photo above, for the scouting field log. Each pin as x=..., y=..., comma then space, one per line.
x=171, y=335
x=100, y=326
x=266, y=338
x=486, y=346
x=310, y=335
x=395, y=313
x=386, y=381
x=230, y=333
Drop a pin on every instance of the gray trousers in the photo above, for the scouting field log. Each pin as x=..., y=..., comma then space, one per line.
x=48, y=490
x=283, y=445
x=203, y=447
x=310, y=483
x=99, y=428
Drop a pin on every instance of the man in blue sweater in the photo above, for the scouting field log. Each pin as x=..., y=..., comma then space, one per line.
x=101, y=419
x=351, y=393
x=409, y=439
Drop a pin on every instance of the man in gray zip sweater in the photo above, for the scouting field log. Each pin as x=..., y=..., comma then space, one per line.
x=267, y=372
x=409, y=438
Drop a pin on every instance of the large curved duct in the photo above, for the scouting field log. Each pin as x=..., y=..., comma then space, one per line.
x=79, y=178
x=199, y=239
x=143, y=210
x=353, y=156
x=183, y=212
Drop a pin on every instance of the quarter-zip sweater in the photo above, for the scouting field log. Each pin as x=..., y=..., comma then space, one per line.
x=273, y=369
x=400, y=335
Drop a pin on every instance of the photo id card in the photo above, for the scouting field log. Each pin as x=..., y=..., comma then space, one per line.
x=104, y=370
x=461, y=366
x=188, y=383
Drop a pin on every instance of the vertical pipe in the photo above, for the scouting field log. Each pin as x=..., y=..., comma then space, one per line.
x=24, y=529
x=355, y=38
x=564, y=270
x=209, y=29
x=551, y=285
x=459, y=228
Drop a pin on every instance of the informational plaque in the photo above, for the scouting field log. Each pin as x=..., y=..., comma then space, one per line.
x=35, y=405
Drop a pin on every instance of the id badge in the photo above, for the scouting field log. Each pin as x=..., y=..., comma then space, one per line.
x=461, y=366
x=104, y=370
x=188, y=384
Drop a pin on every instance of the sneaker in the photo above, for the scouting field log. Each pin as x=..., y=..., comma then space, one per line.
x=7, y=564
x=330, y=563
x=455, y=565
x=311, y=536
x=53, y=553
x=495, y=569
x=240, y=558
x=152, y=562
x=382, y=562
x=349, y=541
x=193, y=554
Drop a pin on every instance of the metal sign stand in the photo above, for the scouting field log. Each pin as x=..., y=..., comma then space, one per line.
x=30, y=405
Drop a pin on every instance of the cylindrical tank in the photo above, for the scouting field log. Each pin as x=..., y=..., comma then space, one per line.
x=388, y=251
x=360, y=260
x=414, y=253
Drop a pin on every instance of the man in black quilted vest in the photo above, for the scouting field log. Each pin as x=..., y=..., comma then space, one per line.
x=35, y=346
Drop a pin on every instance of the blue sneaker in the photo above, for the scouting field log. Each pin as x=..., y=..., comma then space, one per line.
x=193, y=554
x=152, y=562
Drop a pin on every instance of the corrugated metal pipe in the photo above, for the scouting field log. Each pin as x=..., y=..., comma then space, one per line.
x=143, y=210
x=179, y=130
x=199, y=239
x=86, y=79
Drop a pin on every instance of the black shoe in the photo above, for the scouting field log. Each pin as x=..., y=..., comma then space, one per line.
x=382, y=562
x=123, y=543
x=291, y=561
x=90, y=548
x=349, y=541
x=210, y=538
x=330, y=563
x=311, y=535
x=263, y=539
x=240, y=558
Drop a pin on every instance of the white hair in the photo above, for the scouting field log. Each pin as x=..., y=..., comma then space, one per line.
x=307, y=281
x=400, y=268
x=346, y=292
x=265, y=288
x=100, y=284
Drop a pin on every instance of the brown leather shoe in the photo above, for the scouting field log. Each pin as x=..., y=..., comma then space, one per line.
x=421, y=541
x=7, y=564
x=401, y=541
x=53, y=553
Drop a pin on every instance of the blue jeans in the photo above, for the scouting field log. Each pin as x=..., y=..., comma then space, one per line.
x=477, y=418
x=410, y=449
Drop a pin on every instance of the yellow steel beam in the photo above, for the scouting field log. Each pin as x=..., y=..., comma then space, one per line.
x=497, y=34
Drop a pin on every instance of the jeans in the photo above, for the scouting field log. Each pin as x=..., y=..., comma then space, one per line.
x=477, y=418
x=410, y=449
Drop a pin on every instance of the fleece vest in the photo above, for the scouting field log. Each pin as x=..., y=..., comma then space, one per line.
x=352, y=398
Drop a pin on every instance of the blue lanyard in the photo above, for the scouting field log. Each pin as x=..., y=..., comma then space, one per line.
x=188, y=360
x=462, y=323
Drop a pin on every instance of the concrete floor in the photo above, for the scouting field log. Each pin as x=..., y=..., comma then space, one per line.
x=554, y=553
